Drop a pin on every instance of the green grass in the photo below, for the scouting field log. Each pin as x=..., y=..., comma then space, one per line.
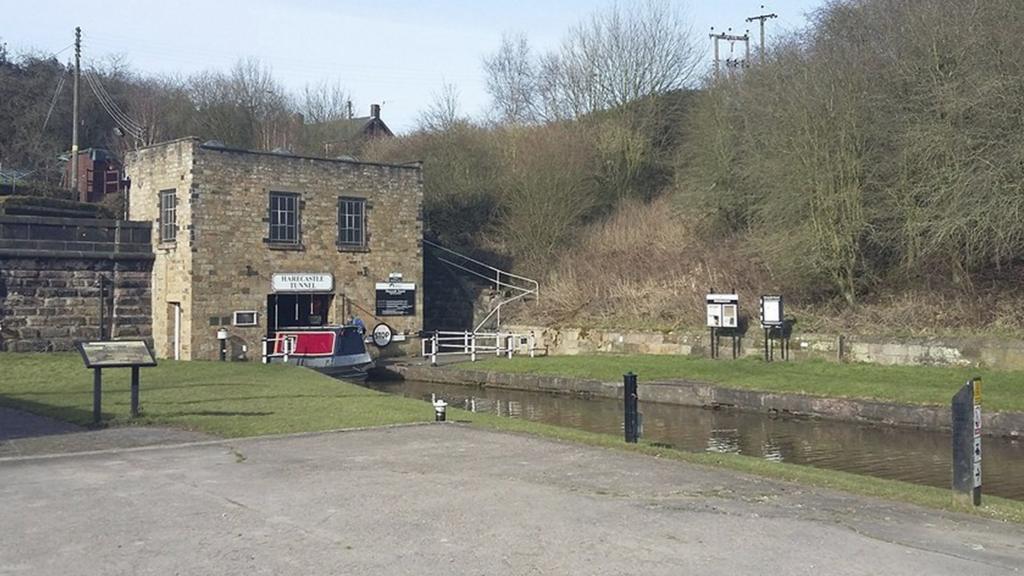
x=1001, y=390
x=247, y=399
x=225, y=399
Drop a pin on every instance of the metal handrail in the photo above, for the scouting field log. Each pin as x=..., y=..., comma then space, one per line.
x=532, y=288
x=465, y=343
x=488, y=266
x=497, y=310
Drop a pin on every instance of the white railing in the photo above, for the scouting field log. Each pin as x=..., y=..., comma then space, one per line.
x=522, y=286
x=474, y=344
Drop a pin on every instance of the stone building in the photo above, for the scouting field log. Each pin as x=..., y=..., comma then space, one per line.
x=255, y=241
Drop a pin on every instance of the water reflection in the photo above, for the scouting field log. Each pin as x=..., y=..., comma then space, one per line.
x=910, y=455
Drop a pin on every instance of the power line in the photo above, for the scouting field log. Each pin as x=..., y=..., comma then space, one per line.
x=110, y=100
x=111, y=107
x=53, y=102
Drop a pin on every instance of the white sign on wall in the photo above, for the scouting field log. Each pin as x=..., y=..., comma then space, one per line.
x=302, y=282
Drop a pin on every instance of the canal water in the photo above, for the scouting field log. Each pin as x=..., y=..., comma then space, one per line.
x=917, y=456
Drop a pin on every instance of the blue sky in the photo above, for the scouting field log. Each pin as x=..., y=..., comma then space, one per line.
x=397, y=53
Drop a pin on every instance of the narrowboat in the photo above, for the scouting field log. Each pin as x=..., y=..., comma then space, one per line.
x=338, y=351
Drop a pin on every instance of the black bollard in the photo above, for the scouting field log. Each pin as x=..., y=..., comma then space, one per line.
x=97, y=394
x=135, y=392
x=629, y=395
x=966, y=416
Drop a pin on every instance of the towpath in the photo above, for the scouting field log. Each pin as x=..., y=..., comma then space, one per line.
x=449, y=499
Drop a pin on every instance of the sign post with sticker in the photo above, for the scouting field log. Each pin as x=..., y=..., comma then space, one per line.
x=966, y=417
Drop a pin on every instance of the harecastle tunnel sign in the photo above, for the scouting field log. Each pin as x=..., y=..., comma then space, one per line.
x=302, y=282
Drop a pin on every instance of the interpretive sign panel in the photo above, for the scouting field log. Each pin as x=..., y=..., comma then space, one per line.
x=771, y=311
x=396, y=298
x=116, y=354
x=730, y=316
x=722, y=310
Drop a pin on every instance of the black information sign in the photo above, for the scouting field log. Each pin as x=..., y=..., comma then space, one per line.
x=396, y=299
x=115, y=354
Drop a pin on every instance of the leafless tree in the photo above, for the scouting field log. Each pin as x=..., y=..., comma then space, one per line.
x=443, y=111
x=325, y=102
x=244, y=107
x=613, y=58
x=511, y=80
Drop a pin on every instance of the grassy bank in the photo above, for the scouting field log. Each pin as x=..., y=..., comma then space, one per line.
x=244, y=399
x=225, y=399
x=1002, y=391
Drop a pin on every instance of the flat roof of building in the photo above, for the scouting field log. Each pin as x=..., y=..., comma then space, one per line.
x=415, y=165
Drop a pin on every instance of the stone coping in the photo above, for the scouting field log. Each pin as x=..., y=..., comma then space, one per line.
x=703, y=394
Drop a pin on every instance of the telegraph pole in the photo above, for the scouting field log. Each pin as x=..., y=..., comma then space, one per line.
x=761, y=18
x=730, y=62
x=74, y=114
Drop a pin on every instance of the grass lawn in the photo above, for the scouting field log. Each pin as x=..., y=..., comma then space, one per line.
x=226, y=399
x=1001, y=390
x=250, y=399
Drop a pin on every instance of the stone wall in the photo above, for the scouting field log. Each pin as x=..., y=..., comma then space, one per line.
x=50, y=275
x=221, y=262
x=968, y=351
x=167, y=167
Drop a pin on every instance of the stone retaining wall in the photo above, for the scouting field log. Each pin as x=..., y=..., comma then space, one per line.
x=987, y=352
x=49, y=303
x=685, y=393
x=50, y=275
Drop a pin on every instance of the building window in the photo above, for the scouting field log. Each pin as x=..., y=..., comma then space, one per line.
x=245, y=318
x=168, y=217
x=284, y=218
x=352, y=222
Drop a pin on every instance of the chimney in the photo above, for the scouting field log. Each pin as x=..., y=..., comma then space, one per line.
x=375, y=111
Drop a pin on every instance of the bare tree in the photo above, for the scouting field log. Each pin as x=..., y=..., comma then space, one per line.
x=443, y=111
x=621, y=55
x=511, y=80
x=615, y=57
x=245, y=107
x=325, y=102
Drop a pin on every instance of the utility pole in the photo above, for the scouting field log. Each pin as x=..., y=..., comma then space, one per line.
x=761, y=18
x=731, y=38
x=74, y=115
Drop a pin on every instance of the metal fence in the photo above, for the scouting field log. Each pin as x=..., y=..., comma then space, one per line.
x=74, y=235
x=477, y=344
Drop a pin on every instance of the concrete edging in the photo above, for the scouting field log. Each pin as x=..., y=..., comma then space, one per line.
x=702, y=394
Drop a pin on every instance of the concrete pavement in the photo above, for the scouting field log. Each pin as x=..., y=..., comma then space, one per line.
x=26, y=434
x=435, y=499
